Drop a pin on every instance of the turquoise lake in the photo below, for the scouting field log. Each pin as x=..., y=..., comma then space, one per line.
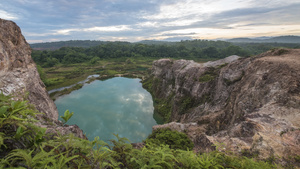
x=118, y=105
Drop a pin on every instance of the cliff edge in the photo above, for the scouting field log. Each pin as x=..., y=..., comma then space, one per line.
x=18, y=72
x=19, y=77
x=252, y=105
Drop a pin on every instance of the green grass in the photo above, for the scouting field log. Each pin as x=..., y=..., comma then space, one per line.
x=65, y=75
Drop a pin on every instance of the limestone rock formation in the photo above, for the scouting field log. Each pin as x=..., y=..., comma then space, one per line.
x=249, y=104
x=19, y=76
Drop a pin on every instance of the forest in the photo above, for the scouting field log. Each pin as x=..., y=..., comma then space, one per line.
x=189, y=49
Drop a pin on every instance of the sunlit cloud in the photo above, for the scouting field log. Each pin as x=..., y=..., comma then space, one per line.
x=65, y=31
x=148, y=24
x=108, y=29
x=239, y=31
x=8, y=16
x=132, y=20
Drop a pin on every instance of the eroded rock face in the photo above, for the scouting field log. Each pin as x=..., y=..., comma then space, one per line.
x=19, y=76
x=250, y=104
x=18, y=72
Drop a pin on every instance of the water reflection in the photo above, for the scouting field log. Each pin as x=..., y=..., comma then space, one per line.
x=119, y=105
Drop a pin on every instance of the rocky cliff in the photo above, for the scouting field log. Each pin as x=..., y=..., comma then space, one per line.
x=250, y=104
x=19, y=77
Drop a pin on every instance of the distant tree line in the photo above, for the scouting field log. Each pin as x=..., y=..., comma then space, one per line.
x=183, y=49
x=257, y=48
x=70, y=43
x=189, y=49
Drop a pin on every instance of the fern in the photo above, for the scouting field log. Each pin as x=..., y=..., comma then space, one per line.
x=187, y=159
x=152, y=156
x=26, y=158
x=20, y=132
x=209, y=161
x=121, y=148
x=62, y=161
x=2, y=137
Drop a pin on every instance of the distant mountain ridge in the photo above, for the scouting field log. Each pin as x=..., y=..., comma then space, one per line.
x=92, y=43
x=278, y=39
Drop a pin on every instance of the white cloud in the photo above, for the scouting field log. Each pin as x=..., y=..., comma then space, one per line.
x=148, y=24
x=108, y=28
x=180, y=22
x=116, y=38
x=92, y=29
x=8, y=16
x=238, y=31
x=65, y=31
x=196, y=9
x=35, y=41
x=135, y=20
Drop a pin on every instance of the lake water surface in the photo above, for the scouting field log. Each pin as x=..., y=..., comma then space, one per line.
x=118, y=105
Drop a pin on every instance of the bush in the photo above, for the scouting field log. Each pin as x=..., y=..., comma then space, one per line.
x=175, y=139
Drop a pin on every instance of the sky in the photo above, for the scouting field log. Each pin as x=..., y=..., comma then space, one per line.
x=136, y=20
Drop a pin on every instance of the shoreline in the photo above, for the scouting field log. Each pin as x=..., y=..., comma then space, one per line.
x=55, y=93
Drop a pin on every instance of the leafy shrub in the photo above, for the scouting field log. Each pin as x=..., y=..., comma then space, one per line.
x=67, y=115
x=175, y=139
x=188, y=159
x=16, y=129
x=152, y=156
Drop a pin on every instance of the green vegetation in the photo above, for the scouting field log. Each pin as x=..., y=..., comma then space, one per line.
x=162, y=107
x=207, y=78
x=210, y=74
x=282, y=51
x=71, y=43
x=56, y=94
x=195, y=49
x=186, y=103
x=258, y=48
x=69, y=63
x=174, y=139
x=25, y=145
x=67, y=116
x=62, y=75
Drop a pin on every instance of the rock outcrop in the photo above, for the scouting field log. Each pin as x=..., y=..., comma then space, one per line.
x=249, y=104
x=19, y=76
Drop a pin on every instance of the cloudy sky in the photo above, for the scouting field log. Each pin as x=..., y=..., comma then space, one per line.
x=135, y=20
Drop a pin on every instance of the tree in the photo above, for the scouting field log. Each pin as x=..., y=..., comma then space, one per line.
x=50, y=62
x=211, y=52
x=94, y=60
